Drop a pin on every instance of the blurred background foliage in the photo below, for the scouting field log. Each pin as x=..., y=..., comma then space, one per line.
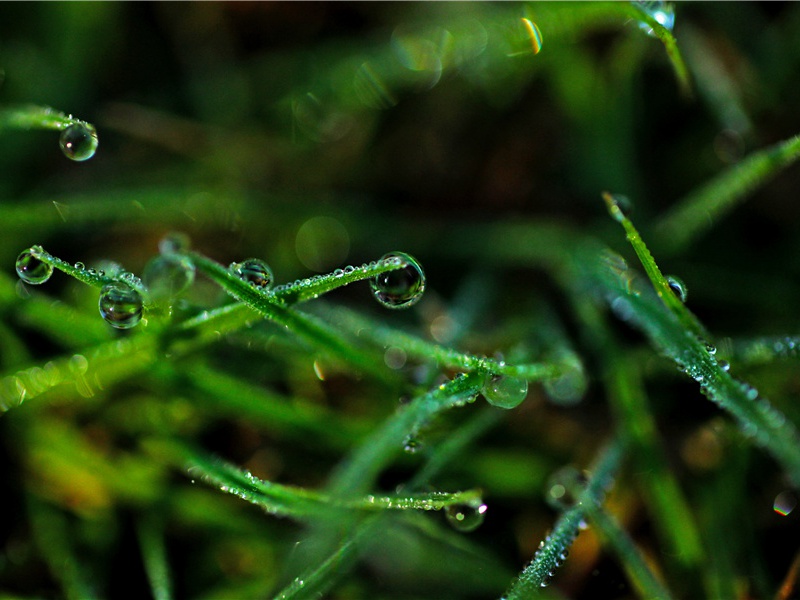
x=316, y=135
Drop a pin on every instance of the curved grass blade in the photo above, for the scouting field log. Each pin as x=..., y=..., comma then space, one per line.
x=547, y=559
x=154, y=556
x=699, y=210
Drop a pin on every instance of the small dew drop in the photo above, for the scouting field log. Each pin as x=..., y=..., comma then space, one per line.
x=167, y=275
x=564, y=487
x=724, y=365
x=465, y=517
x=412, y=445
x=254, y=271
x=661, y=11
x=401, y=288
x=78, y=142
x=32, y=270
x=785, y=502
x=120, y=305
x=503, y=391
x=173, y=242
x=620, y=206
x=678, y=287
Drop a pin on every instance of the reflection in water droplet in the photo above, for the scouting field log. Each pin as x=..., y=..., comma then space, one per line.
x=503, y=391
x=621, y=206
x=321, y=243
x=785, y=502
x=661, y=11
x=167, y=275
x=724, y=365
x=401, y=288
x=32, y=270
x=564, y=487
x=120, y=305
x=78, y=142
x=254, y=271
x=465, y=517
x=678, y=287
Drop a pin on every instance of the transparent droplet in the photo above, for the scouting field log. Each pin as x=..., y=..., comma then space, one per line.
x=32, y=270
x=465, y=517
x=564, y=487
x=173, y=242
x=168, y=275
x=621, y=207
x=503, y=391
x=401, y=288
x=678, y=287
x=78, y=142
x=568, y=388
x=785, y=502
x=412, y=444
x=663, y=12
x=724, y=365
x=120, y=305
x=254, y=271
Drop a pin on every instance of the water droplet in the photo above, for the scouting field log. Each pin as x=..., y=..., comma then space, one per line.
x=401, y=288
x=663, y=12
x=503, y=391
x=412, y=445
x=254, y=271
x=564, y=487
x=678, y=287
x=394, y=357
x=620, y=206
x=173, y=242
x=168, y=275
x=724, y=365
x=78, y=141
x=120, y=305
x=32, y=270
x=465, y=517
x=785, y=502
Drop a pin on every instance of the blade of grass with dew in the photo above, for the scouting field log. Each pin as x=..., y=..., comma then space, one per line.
x=698, y=211
x=674, y=335
x=304, y=504
x=150, y=531
x=630, y=557
x=416, y=347
x=36, y=117
x=547, y=559
x=303, y=325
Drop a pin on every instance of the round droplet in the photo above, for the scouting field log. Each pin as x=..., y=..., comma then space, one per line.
x=564, y=488
x=412, y=445
x=79, y=142
x=173, y=242
x=661, y=11
x=465, y=517
x=785, y=502
x=32, y=270
x=505, y=392
x=724, y=365
x=120, y=305
x=678, y=287
x=254, y=271
x=401, y=288
x=168, y=275
x=620, y=206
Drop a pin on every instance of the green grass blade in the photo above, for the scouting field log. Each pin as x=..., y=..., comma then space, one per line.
x=639, y=574
x=693, y=215
x=36, y=117
x=549, y=557
x=154, y=556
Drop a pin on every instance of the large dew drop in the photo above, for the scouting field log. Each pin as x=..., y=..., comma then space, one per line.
x=678, y=287
x=32, y=270
x=120, y=305
x=465, y=517
x=401, y=288
x=168, y=275
x=505, y=392
x=79, y=142
x=254, y=271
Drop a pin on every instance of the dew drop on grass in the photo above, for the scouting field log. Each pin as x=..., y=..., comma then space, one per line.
x=564, y=487
x=724, y=365
x=663, y=12
x=173, y=242
x=503, y=391
x=78, y=142
x=32, y=270
x=678, y=287
x=785, y=502
x=623, y=206
x=120, y=305
x=401, y=288
x=168, y=275
x=465, y=517
x=254, y=271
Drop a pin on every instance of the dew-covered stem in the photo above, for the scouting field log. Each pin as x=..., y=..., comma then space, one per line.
x=547, y=559
x=35, y=117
